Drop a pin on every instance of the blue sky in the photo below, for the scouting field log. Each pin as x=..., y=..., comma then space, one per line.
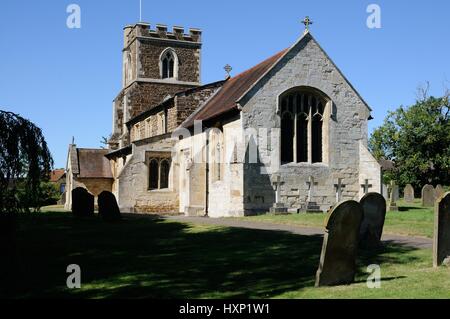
x=64, y=80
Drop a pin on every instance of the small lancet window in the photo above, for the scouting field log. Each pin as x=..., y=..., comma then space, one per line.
x=168, y=65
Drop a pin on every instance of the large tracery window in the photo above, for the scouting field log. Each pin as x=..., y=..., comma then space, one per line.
x=302, y=114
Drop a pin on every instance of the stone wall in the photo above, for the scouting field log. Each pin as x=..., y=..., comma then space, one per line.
x=132, y=182
x=188, y=60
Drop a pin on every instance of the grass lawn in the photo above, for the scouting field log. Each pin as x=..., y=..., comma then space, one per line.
x=144, y=257
x=412, y=220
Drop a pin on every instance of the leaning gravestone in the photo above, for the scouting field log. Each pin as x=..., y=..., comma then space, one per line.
x=374, y=207
x=82, y=202
x=107, y=207
x=439, y=191
x=408, y=193
x=428, y=196
x=441, y=241
x=338, y=258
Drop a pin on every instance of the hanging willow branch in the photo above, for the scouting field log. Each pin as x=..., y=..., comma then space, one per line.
x=25, y=161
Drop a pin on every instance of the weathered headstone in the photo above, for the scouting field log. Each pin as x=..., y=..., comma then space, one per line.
x=428, y=196
x=374, y=207
x=107, y=207
x=311, y=206
x=441, y=241
x=278, y=207
x=392, y=199
x=396, y=194
x=408, y=193
x=340, y=243
x=82, y=202
x=439, y=191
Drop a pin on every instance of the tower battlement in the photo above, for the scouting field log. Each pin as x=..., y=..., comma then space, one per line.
x=177, y=33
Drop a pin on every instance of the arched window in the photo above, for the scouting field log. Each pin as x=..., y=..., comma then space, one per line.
x=301, y=113
x=164, y=174
x=168, y=64
x=158, y=173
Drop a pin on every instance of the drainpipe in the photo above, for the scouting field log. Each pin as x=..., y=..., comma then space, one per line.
x=207, y=177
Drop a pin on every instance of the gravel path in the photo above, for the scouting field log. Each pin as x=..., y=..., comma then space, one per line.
x=416, y=242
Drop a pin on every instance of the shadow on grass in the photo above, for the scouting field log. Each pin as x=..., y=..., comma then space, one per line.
x=408, y=208
x=147, y=257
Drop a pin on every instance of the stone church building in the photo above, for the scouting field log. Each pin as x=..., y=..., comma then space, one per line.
x=289, y=134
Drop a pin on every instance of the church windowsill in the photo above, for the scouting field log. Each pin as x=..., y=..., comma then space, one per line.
x=304, y=164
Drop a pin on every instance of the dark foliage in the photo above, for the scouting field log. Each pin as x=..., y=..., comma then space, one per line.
x=25, y=161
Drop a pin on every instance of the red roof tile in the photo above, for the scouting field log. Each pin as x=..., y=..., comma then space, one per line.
x=226, y=98
x=56, y=174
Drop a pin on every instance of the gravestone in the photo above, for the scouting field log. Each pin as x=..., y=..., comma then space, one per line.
x=82, y=202
x=107, y=207
x=408, y=193
x=278, y=207
x=428, y=196
x=441, y=240
x=392, y=199
x=396, y=194
x=374, y=207
x=337, y=264
x=439, y=191
x=311, y=206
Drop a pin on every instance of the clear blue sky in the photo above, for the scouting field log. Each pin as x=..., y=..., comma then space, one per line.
x=64, y=80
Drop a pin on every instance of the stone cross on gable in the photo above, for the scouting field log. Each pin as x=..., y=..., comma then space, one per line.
x=366, y=186
x=277, y=183
x=311, y=185
x=339, y=188
x=307, y=22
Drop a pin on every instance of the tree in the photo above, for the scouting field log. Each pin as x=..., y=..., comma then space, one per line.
x=25, y=162
x=417, y=139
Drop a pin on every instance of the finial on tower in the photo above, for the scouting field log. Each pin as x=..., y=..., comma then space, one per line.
x=228, y=69
x=307, y=22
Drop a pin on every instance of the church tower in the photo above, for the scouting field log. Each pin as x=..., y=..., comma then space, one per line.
x=157, y=63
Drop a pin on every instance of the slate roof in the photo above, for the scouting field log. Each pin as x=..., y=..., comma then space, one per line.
x=225, y=99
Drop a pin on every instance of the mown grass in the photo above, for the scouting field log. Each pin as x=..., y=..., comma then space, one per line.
x=410, y=220
x=144, y=257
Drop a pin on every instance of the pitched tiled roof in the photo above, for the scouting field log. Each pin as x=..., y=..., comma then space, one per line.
x=56, y=174
x=226, y=98
x=93, y=163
